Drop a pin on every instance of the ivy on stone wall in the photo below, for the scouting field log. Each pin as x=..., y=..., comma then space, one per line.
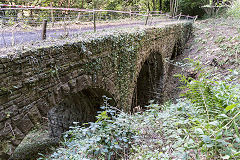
x=112, y=55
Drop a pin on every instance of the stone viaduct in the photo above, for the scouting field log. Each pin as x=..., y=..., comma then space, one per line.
x=62, y=81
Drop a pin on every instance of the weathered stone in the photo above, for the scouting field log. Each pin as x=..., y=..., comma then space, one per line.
x=43, y=107
x=76, y=75
x=35, y=115
x=65, y=89
x=11, y=111
x=18, y=136
x=6, y=149
x=3, y=115
x=4, y=98
x=2, y=125
x=83, y=82
x=52, y=100
x=6, y=130
x=32, y=150
x=72, y=85
x=23, y=123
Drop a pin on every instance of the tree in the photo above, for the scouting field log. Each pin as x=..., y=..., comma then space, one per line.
x=160, y=5
x=174, y=4
x=154, y=5
x=192, y=7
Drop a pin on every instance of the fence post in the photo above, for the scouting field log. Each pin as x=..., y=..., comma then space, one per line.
x=179, y=16
x=52, y=15
x=78, y=17
x=94, y=21
x=44, y=29
x=195, y=18
x=146, y=22
x=130, y=14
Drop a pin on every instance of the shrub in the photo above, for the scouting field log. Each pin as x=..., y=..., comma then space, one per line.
x=192, y=7
x=110, y=137
x=203, y=125
x=215, y=125
x=234, y=9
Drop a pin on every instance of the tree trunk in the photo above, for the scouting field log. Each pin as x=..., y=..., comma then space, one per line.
x=174, y=7
x=154, y=5
x=171, y=8
x=160, y=5
x=82, y=6
x=148, y=6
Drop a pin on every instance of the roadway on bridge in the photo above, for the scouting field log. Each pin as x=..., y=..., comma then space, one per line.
x=10, y=38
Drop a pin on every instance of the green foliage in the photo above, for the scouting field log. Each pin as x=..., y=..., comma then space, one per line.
x=219, y=39
x=203, y=125
x=217, y=104
x=234, y=10
x=108, y=138
x=192, y=7
x=135, y=5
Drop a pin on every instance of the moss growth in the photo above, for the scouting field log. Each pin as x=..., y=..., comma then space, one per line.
x=34, y=143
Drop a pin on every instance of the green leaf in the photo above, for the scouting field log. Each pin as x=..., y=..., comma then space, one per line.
x=231, y=106
x=199, y=131
x=226, y=157
x=237, y=154
x=214, y=123
x=223, y=115
x=206, y=139
x=117, y=146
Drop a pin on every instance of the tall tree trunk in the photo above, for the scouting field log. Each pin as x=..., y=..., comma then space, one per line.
x=148, y=6
x=154, y=5
x=160, y=5
x=82, y=6
x=171, y=8
x=68, y=5
x=174, y=7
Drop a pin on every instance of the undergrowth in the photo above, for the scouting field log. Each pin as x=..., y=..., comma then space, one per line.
x=234, y=9
x=204, y=124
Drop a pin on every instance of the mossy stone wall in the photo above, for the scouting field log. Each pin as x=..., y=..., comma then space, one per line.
x=37, y=78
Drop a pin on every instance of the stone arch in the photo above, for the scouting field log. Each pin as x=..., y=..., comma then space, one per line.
x=149, y=80
x=177, y=49
x=80, y=107
x=78, y=101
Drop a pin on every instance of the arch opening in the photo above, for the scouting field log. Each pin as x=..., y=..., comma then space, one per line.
x=81, y=107
x=177, y=50
x=149, y=82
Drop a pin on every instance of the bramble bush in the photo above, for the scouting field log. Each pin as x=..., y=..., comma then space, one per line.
x=110, y=137
x=204, y=124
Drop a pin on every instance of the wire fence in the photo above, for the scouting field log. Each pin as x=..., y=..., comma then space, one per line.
x=20, y=24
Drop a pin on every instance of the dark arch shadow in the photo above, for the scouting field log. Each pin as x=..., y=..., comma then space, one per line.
x=149, y=82
x=177, y=50
x=80, y=107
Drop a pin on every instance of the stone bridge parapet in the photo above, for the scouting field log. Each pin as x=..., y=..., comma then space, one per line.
x=45, y=77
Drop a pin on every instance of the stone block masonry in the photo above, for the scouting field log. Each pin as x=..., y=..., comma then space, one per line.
x=46, y=79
